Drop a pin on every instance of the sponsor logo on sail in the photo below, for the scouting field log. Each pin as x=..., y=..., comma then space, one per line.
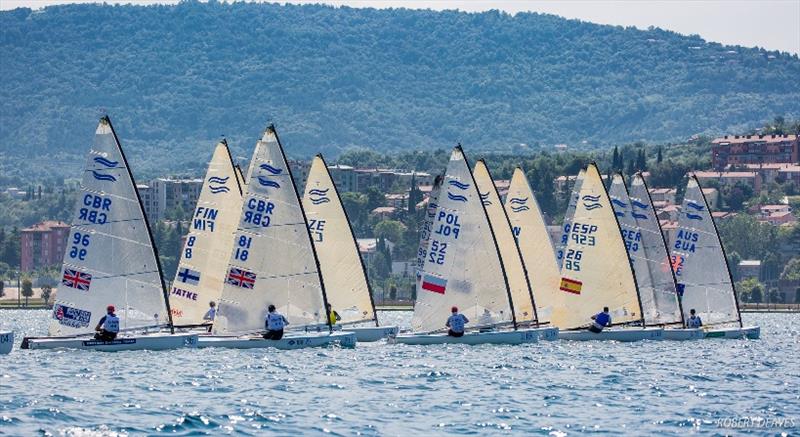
x=103, y=177
x=76, y=279
x=518, y=204
x=217, y=184
x=180, y=292
x=318, y=196
x=106, y=162
x=72, y=317
x=571, y=286
x=591, y=202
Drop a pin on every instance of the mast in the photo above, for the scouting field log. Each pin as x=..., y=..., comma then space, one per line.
x=355, y=243
x=516, y=245
x=721, y=246
x=164, y=292
x=630, y=261
x=494, y=240
x=271, y=128
x=661, y=233
x=235, y=167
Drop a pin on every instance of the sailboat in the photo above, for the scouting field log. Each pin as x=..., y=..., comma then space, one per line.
x=597, y=272
x=522, y=296
x=648, y=253
x=427, y=227
x=463, y=268
x=534, y=243
x=273, y=261
x=204, y=258
x=6, y=342
x=110, y=259
x=343, y=271
x=701, y=269
x=568, y=215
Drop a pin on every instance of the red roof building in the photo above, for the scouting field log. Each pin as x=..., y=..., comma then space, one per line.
x=753, y=149
x=43, y=245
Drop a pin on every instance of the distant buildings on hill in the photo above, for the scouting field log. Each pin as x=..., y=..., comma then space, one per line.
x=754, y=149
x=43, y=245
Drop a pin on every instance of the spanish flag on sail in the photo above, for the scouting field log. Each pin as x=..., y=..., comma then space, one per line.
x=571, y=286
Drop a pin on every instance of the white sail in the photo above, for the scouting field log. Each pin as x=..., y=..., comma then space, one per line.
x=273, y=260
x=534, y=243
x=510, y=256
x=427, y=227
x=699, y=262
x=596, y=271
x=568, y=215
x=110, y=259
x=340, y=263
x=204, y=260
x=462, y=266
x=665, y=297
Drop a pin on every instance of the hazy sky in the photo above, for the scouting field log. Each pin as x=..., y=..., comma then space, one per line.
x=772, y=24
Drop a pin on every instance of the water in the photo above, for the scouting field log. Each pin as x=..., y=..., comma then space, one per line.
x=551, y=388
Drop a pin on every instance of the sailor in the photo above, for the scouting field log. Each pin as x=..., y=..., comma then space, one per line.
x=210, y=314
x=601, y=320
x=333, y=316
x=274, y=324
x=694, y=320
x=108, y=326
x=456, y=323
x=486, y=321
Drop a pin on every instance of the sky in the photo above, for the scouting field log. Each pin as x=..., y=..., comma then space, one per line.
x=771, y=24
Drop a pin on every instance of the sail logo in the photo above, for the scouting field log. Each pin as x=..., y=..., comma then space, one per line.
x=591, y=202
x=105, y=162
x=460, y=186
x=103, y=177
x=76, y=279
x=318, y=196
x=180, y=292
x=518, y=204
x=434, y=284
x=485, y=198
x=241, y=278
x=571, y=286
x=695, y=206
x=217, y=184
x=456, y=197
x=639, y=205
x=188, y=276
x=72, y=317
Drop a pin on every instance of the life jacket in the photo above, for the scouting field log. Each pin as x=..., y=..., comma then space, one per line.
x=332, y=317
x=275, y=321
x=111, y=324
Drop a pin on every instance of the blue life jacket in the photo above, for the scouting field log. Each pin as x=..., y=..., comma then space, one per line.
x=602, y=319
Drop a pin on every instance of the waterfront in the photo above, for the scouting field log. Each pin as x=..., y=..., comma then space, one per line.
x=377, y=389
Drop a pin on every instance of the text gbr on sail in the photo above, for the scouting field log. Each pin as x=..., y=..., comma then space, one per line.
x=94, y=206
x=259, y=212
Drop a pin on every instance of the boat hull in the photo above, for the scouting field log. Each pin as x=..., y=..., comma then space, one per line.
x=6, y=342
x=493, y=337
x=372, y=333
x=680, y=334
x=127, y=343
x=622, y=334
x=751, y=332
x=344, y=339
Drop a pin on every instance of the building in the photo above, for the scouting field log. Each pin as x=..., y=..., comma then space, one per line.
x=384, y=212
x=748, y=268
x=162, y=195
x=666, y=195
x=779, y=173
x=15, y=193
x=753, y=149
x=43, y=245
x=349, y=179
x=731, y=178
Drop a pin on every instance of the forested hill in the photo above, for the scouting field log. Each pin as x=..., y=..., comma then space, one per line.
x=175, y=78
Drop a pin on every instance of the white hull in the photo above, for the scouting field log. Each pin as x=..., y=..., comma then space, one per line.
x=372, y=333
x=618, y=334
x=344, y=339
x=680, y=334
x=6, y=342
x=751, y=332
x=494, y=337
x=122, y=343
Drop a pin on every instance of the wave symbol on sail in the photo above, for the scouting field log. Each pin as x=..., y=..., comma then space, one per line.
x=459, y=185
x=591, y=202
x=268, y=183
x=619, y=213
x=617, y=202
x=485, y=198
x=639, y=205
x=103, y=177
x=221, y=188
x=271, y=169
x=518, y=204
x=456, y=197
x=106, y=162
x=519, y=208
x=318, y=196
x=693, y=216
x=638, y=215
x=692, y=204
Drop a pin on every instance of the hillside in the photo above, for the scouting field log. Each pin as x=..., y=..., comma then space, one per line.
x=175, y=78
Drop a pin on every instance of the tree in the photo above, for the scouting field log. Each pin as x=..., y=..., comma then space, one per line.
x=791, y=271
x=391, y=230
x=616, y=163
x=733, y=264
x=27, y=289
x=660, y=156
x=2, y=288
x=47, y=290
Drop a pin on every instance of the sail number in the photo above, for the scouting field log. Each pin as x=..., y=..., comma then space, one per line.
x=438, y=252
x=317, y=229
x=243, y=251
x=677, y=264
x=573, y=260
x=93, y=207
x=187, y=253
x=259, y=212
x=632, y=239
x=448, y=225
x=79, y=244
x=583, y=234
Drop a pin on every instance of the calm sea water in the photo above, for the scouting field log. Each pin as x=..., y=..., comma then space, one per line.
x=551, y=388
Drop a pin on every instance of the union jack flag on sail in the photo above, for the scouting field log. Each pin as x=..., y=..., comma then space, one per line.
x=75, y=279
x=241, y=278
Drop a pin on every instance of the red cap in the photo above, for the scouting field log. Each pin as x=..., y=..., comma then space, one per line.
x=454, y=309
x=110, y=308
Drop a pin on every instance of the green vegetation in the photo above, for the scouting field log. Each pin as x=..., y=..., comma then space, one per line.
x=175, y=78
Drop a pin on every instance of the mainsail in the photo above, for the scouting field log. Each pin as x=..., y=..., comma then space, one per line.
x=110, y=256
x=534, y=243
x=667, y=307
x=698, y=259
x=510, y=256
x=273, y=259
x=462, y=266
x=568, y=215
x=340, y=263
x=597, y=272
x=204, y=259
x=427, y=227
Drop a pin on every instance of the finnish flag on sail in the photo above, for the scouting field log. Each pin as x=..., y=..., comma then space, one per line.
x=188, y=276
